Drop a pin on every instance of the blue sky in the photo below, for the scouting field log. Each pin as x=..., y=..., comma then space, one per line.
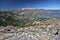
x=18, y=4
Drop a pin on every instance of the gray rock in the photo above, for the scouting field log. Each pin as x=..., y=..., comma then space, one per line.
x=33, y=33
x=54, y=29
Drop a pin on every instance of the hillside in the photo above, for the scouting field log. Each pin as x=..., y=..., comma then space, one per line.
x=23, y=16
x=30, y=24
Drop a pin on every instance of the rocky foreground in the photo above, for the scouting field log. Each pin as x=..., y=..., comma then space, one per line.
x=52, y=32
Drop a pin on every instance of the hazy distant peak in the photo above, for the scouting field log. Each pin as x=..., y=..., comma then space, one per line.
x=30, y=8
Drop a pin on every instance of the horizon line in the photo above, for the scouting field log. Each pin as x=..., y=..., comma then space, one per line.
x=31, y=8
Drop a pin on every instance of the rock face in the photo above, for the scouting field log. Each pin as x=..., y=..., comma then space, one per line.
x=54, y=29
x=32, y=33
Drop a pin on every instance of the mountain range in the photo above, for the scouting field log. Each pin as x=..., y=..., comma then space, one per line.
x=23, y=16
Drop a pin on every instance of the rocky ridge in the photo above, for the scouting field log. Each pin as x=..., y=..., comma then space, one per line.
x=52, y=32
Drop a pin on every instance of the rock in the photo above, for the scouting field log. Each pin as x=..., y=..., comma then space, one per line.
x=54, y=29
x=33, y=33
x=1, y=37
x=8, y=35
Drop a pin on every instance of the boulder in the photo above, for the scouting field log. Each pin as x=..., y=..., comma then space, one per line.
x=54, y=29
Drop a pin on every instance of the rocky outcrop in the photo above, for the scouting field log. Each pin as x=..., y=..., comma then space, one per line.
x=54, y=29
x=52, y=32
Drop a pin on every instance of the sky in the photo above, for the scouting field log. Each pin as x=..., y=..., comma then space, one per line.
x=18, y=4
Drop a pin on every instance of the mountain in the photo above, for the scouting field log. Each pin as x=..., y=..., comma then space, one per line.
x=39, y=14
x=26, y=15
